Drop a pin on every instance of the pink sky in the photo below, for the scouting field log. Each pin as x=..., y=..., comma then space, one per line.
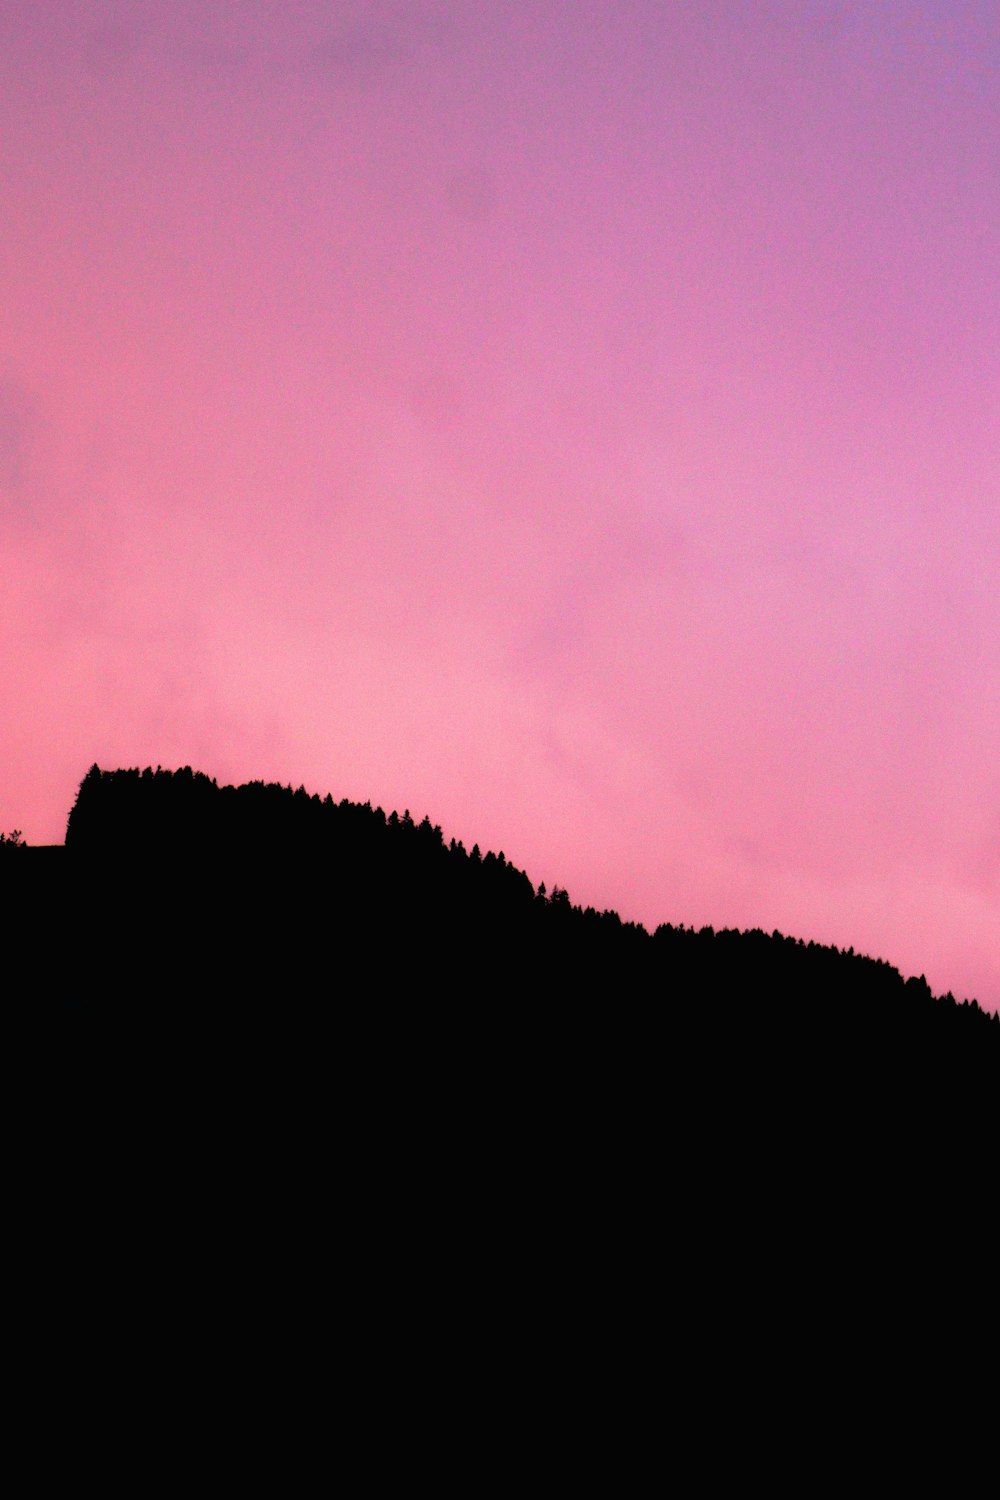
x=577, y=421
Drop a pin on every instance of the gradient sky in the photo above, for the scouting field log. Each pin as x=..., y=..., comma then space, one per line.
x=578, y=421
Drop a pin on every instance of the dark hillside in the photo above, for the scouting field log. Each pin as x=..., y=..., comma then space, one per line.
x=302, y=1047
x=184, y=889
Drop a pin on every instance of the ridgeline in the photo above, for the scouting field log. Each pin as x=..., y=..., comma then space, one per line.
x=325, y=1033
x=175, y=887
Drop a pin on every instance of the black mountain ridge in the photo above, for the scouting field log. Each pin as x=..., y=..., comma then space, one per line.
x=312, y=1086
x=186, y=888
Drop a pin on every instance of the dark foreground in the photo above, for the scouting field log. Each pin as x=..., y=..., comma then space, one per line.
x=343, y=1141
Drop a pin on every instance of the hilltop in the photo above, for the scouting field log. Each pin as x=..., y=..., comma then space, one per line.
x=264, y=890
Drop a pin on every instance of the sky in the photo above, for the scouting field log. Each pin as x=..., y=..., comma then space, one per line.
x=578, y=421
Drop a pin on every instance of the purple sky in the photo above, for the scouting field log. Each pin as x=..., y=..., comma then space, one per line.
x=578, y=421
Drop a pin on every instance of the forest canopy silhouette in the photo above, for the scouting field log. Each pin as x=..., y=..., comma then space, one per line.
x=265, y=889
x=454, y=1087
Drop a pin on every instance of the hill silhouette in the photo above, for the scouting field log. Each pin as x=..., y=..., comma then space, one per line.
x=302, y=1065
x=186, y=887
